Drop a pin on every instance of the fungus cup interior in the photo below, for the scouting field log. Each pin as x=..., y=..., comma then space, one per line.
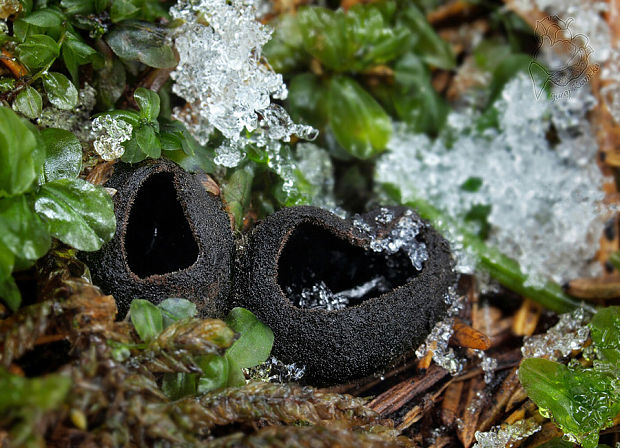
x=313, y=254
x=159, y=239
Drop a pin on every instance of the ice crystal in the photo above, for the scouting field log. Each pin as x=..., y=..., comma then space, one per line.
x=275, y=371
x=110, y=133
x=316, y=166
x=76, y=120
x=545, y=200
x=224, y=78
x=437, y=340
x=505, y=435
x=401, y=236
x=569, y=334
x=488, y=365
x=4, y=28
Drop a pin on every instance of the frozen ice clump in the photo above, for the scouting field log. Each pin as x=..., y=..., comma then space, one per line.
x=76, y=120
x=438, y=339
x=569, y=334
x=402, y=235
x=505, y=435
x=109, y=134
x=545, y=200
x=275, y=371
x=224, y=78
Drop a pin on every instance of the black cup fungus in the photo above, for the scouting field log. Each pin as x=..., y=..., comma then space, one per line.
x=389, y=306
x=173, y=239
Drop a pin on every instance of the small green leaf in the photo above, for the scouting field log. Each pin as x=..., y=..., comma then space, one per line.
x=176, y=309
x=605, y=333
x=9, y=292
x=143, y=42
x=73, y=7
x=255, y=341
x=358, y=122
x=45, y=18
x=7, y=261
x=21, y=230
x=430, y=47
x=18, y=154
x=307, y=99
x=28, y=103
x=236, y=193
x=179, y=385
x=147, y=141
x=148, y=102
x=77, y=213
x=133, y=153
x=63, y=159
x=324, y=35
x=147, y=319
x=60, y=91
x=38, y=51
x=215, y=373
x=42, y=394
x=123, y=10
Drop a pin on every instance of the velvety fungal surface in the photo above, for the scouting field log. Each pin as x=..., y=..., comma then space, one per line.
x=173, y=239
x=335, y=302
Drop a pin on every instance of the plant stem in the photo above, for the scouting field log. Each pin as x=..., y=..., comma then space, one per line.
x=501, y=267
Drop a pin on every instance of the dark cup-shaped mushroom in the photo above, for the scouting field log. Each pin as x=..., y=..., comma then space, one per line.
x=345, y=298
x=172, y=239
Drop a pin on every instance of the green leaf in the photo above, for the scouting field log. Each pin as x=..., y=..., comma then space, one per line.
x=110, y=83
x=307, y=99
x=123, y=9
x=176, y=309
x=358, y=122
x=9, y=292
x=60, y=91
x=581, y=401
x=37, y=51
x=255, y=341
x=283, y=51
x=63, y=158
x=236, y=193
x=605, y=333
x=77, y=212
x=179, y=385
x=147, y=319
x=19, y=154
x=147, y=141
x=133, y=153
x=415, y=100
x=73, y=7
x=215, y=373
x=324, y=35
x=43, y=393
x=7, y=261
x=45, y=18
x=148, y=102
x=28, y=103
x=143, y=42
x=430, y=47
x=21, y=230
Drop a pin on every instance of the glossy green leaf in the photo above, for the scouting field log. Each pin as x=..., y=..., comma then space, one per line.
x=429, y=46
x=42, y=393
x=19, y=154
x=72, y=7
x=21, y=230
x=179, y=385
x=9, y=292
x=236, y=193
x=307, y=99
x=147, y=141
x=29, y=103
x=235, y=373
x=133, y=153
x=358, y=122
x=44, y=18
x=143, y=42
x=147, y=319
x=415, y=100
x=176, y=309
x=605, y=333
x=215, y=373
x=63, y=159
x=37, y=51
x=7, y=261
x=77, y=212
x=123, y=10
x=581, y=401
x=324, y=36
x=148, y=102
x=60, y=91
x=255, y=341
